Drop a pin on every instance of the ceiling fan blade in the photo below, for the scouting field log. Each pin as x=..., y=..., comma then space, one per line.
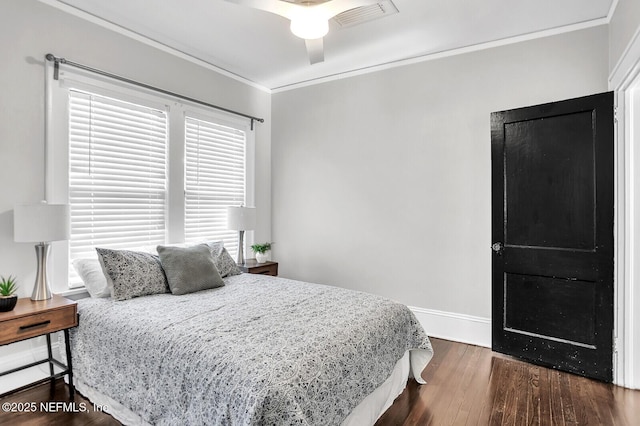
x=288, y=9
x=278, y=7
x=335, y=7
x=315, y=50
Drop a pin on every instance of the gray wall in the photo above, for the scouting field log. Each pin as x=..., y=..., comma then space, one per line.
x=624, y=24
x=29, y=30
x=381, y=182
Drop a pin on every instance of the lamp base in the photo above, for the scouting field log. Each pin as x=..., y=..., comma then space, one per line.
x=41, y=289
x=240, y=248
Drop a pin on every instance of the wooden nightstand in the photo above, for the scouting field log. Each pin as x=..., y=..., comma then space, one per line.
x=253, y=267
x=31, y=319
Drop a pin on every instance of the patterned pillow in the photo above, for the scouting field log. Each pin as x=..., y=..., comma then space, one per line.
x=189, y=269
x=132, y=273
x=223, y=260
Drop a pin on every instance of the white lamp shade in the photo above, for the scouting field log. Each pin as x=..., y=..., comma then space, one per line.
x=241, y=218
x=42, y=222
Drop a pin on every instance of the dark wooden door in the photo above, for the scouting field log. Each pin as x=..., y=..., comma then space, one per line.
x=552, y=229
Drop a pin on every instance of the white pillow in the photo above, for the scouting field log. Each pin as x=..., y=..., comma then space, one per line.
x=94, y=280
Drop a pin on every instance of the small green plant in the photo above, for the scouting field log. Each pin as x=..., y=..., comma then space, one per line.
x=8, y=286
x=261, y=248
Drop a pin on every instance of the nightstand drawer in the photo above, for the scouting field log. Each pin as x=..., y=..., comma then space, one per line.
x=265, y=270
x=253, y=267
x=38, y=324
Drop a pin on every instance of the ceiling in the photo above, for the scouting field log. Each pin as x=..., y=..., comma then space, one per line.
x=258, y=46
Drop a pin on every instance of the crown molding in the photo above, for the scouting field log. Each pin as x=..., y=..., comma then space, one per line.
x=447, y=53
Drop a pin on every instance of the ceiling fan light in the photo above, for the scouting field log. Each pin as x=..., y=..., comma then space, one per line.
x=309, y=27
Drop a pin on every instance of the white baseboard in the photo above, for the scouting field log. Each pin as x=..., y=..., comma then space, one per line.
x=26, y=356
x=456, y=327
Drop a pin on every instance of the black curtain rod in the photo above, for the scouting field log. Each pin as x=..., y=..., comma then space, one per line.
x=56, y=67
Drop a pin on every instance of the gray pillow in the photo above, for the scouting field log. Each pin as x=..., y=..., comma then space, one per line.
x=131, y=273
x=189, y=269
x=225, y=264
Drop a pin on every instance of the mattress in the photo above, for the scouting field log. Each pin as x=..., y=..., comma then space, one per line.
x=260, y=350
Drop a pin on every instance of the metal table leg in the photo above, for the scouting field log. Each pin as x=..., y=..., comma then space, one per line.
x=72, y=389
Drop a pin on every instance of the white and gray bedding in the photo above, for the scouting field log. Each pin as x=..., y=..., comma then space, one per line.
x=258, y=350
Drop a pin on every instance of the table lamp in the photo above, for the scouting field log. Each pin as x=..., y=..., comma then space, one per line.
x=41, y=223
x=241, y=219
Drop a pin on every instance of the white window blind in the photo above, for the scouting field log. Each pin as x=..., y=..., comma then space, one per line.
x=117, y=174
x=214, y=179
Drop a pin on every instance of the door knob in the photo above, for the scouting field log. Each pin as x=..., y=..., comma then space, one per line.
x=497, y=248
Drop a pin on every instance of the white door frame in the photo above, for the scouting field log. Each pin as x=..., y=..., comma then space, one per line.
x=625, y=82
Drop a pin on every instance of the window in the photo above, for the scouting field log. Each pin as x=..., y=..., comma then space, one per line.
x=140, y=169
x=215, y=179
x=117, y=174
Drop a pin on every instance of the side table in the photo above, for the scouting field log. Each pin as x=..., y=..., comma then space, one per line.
x=31, y=319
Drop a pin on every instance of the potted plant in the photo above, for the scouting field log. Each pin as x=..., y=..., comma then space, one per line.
x=8, y=296
x=261, y=251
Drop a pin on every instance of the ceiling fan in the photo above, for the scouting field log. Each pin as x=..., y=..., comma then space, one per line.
x=309, y=18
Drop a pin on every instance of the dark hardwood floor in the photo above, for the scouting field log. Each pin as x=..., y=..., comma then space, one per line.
x=470, y=385
x=21, y=415
x=466, y=385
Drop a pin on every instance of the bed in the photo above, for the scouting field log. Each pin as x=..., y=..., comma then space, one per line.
x=257, y=350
